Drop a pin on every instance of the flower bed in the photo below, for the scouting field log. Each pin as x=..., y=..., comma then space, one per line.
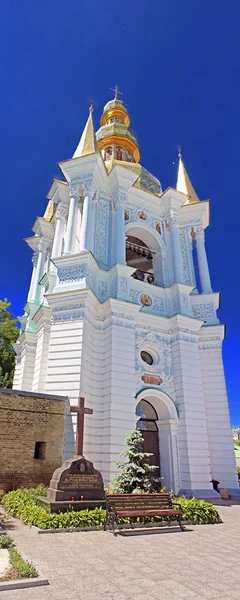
x=22, y=503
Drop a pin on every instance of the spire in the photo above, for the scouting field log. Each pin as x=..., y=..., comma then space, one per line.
x=183, y=182
x=87, y=144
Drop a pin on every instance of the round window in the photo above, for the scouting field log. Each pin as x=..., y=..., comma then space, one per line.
x=146, y=357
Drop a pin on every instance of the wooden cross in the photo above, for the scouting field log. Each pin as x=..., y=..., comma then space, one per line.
x=116, y=92
x=81, y=411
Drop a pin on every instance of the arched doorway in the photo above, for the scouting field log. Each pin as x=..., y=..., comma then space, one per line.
x=147, y=423
x=158, y=415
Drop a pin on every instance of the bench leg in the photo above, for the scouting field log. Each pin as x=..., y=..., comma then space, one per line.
x=180, y=524
x=113, y=524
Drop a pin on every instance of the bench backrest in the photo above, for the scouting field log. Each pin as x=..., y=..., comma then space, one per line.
x=148, y=501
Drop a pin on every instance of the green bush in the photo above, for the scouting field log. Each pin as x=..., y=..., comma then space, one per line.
x=26, y=569
x=22, y=503
x=5, y=541
x=2, y=493
x=197, y=511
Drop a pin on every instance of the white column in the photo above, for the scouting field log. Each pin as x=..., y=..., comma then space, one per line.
x=203, y=262
x=33, y=278
x=59, y=231
x=39, y=270
x=120, y=252
x=72, y=222
x=93, y=223
x=85, y=236
x=176, y=246
x=78, y=228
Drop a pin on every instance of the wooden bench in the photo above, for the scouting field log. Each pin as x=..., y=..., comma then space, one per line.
x=120, y=506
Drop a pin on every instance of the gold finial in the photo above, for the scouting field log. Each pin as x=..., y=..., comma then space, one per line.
x=91, y=105
x=116, y=92
x=179, y=151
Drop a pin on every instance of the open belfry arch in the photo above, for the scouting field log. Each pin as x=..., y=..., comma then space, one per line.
x=121, y=311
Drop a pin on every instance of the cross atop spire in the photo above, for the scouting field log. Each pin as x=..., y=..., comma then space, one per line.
x=116, y=92
x=91, y=104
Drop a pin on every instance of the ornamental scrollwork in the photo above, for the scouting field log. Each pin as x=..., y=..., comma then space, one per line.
x=70, y=274
x=44, y=244
x=203, y=311
x=75, y=191
x=34, y=258
x=62, y=211
x=101, y=243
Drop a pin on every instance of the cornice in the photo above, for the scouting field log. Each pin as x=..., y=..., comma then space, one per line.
x=197, y=211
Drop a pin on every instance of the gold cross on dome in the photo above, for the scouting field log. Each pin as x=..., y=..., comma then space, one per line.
x=116, y=92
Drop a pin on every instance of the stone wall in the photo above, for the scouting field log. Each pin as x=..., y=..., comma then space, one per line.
x=27, y=418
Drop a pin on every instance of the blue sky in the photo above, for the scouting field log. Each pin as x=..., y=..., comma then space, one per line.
x=178, y=66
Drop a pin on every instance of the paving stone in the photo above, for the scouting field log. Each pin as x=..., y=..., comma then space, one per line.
x=200, y=564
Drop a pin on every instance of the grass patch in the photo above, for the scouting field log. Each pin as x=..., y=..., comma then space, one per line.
x=6, y=541
x=20, y=567
x=25, y=568
x=22, y=503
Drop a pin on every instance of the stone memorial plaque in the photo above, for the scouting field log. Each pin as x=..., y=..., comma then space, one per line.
x=76, y=479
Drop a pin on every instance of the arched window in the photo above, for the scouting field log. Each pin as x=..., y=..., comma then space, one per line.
x=108, y=153
x=148, y=416
x=138, y=255
x=119, y=154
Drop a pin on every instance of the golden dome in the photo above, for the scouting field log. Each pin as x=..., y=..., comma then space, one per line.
x=115, y=135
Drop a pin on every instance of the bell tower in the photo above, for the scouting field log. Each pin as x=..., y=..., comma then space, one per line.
x=120, y=310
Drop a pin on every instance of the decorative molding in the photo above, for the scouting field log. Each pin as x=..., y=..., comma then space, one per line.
x=203, y=311
x=101, y=239
x=185, y=259
x=158, y=304
x=62, y=211
x=102, y=288
x=162, y=365
x=44, y=243
x=114, y=287
x=123, y=286
x=70, y=274
x=35, y=259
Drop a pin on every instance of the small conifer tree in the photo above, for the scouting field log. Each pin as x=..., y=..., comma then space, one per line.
x=136, y=473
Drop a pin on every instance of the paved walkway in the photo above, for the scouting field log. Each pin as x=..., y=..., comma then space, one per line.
x=200, y=564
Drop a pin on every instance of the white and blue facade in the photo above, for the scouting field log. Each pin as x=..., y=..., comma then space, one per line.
x=92, y=310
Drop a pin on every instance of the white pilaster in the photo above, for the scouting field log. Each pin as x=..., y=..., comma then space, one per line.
x=70, y=239
x=120, y=234
x=42, y=251
x=33, y=278
x=43, y=324
x=222, y=459
x=85, y=235
x=203, y=262
x=59, y=230
x=192, y=429
x=176, y=246
x=26, y=351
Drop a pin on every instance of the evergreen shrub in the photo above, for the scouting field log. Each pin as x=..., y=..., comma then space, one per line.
x=22, y=503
